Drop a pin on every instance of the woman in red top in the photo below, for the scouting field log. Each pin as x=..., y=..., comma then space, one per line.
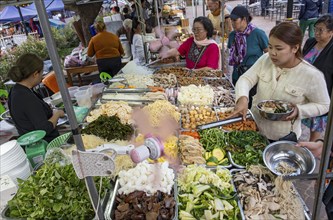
x=201, y=51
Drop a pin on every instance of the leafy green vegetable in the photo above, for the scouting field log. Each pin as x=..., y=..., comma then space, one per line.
x=53, y=192
x=109, y=128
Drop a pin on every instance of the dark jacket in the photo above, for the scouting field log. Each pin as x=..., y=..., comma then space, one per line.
x=324, y=62
x=310, y=9
x=30, y=112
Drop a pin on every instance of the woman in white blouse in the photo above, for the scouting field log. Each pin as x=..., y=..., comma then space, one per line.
x=137, y=42
x=282, y=74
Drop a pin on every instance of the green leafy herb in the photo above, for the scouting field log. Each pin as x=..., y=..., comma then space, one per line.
x=53, y=192
x=109, y=128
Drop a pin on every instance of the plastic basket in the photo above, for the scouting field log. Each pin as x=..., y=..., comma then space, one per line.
x=57, y=142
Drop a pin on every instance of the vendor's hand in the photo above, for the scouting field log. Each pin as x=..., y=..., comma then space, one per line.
x=241, y=108
x=293, y=115
x=315, y=147
x=59, y=113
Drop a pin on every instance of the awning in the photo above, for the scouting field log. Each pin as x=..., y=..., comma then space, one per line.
x=11, y=14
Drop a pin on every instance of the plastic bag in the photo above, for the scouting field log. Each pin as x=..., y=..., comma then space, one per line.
x=57, y=155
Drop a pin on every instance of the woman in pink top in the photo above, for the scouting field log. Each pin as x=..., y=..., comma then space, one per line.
x=201, y=51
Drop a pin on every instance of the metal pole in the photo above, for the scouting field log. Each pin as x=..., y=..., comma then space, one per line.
x=328, y=143
x=22, y=20
x=193, y=15
x=223, y=33
x=290, y=4
x=157, y=15
x=52, y=49
x=204, y=8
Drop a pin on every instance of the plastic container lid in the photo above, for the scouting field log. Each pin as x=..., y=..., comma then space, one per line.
x=31, y=137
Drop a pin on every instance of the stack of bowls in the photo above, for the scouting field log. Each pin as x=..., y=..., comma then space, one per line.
x=14, y=162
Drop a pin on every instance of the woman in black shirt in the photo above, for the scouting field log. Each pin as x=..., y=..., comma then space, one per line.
x=27, y=108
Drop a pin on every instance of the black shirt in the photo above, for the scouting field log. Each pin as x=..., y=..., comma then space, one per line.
x=30, y=112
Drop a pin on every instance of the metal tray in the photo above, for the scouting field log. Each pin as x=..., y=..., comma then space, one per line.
x=225, y=79
x=111, y=203
x=128, y=90
x=307, y=214
x=238, y=201
x=4, y=213
x=233, y=163
x=251, y=117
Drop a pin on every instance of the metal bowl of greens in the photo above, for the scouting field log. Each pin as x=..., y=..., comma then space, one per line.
x=285, y=158
x=275, y=110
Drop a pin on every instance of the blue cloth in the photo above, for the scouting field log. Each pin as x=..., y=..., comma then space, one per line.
x=310, y=9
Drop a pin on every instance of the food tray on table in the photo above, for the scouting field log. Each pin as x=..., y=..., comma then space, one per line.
x=194, y=115
x=249, y=124
x=185, y=72
x=126, y=97
x=111, y=203
x=306, y=210
x=230, y=198
x=250, y=153
x=103, y=202
x=186, y=81
x=218, y=82
x=126, y=90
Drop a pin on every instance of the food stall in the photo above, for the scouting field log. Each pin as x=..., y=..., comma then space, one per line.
x=221, y=159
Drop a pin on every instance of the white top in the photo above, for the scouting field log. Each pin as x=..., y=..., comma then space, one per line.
x=137, y=48
x=116, y=17
x=303, y=85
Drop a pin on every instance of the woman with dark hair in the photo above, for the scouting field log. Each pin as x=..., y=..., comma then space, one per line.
x=201, y=51
x=247, y=43
x=27, y=108
x=107, y=49
x=319, y=52
x=137, y=42
x=282, y=74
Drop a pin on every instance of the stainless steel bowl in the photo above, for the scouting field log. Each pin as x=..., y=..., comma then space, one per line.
x=299, y=158
x=273, y=116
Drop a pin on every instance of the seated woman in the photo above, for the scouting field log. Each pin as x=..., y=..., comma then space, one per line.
x=282, y=74
x=107, y=48
x=201, y=51
x=27, y=108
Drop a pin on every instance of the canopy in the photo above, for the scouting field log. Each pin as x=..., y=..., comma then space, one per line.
x=11, y=14
x=51, y=5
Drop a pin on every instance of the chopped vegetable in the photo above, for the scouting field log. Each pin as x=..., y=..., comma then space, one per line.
x=206, y=195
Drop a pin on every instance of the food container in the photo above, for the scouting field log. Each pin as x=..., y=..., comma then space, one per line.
x=249, y=124
x=72, y=90
x=298, y=158
x=307, y=214
x=56, y=98
x=111, y=204
x=286, y=107
x=233, y=163
x=104, y=201
x=83, y=98
x=216, y=82
x=87, y=89
x=97, y=88
x=190, y=122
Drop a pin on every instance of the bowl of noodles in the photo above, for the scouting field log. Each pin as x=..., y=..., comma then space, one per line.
x=285, y=158
x=275, y=110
